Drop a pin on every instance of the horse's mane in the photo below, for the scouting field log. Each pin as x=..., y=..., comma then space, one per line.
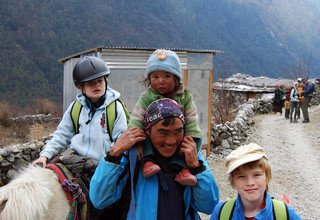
x=29, y=194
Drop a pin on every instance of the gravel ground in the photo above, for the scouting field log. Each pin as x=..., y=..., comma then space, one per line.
x=294, y=154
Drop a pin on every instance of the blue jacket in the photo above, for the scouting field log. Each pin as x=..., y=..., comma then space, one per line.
x=105, y=189
x=92, y=141
x=265, y=213
x=308, y=89
x=294, y=95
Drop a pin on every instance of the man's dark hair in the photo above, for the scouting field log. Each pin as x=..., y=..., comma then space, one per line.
x=167, y=121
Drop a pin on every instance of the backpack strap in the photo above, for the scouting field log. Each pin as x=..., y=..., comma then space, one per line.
x=227, y=209
x=111, y=115
x=280, y=210
x=75, y=113
x=126, y=111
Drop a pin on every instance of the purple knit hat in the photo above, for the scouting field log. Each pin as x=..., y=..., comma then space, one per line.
x=160, y=109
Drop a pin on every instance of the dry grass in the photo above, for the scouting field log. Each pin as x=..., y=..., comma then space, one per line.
x=5, y=114
x=21, y=132
x=224, y=108
x=45, y=106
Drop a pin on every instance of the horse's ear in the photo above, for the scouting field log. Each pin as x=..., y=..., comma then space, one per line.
x=3, y=203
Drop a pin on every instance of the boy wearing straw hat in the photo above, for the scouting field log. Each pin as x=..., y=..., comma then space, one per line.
x=250, y=173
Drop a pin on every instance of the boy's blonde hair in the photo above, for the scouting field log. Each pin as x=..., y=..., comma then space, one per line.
x=261, y=163
x=248, y=157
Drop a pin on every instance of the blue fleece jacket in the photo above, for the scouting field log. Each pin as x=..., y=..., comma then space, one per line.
x=265, y=213
x=105, y=189
x=93, y=140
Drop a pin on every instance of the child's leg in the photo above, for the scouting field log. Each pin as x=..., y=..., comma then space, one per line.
x=184, y=177
x=198, y=143
x=287, y=113
x=291, y=111
x=298, y=110
x=148, y=153
x=149, y=167
x=295, y=111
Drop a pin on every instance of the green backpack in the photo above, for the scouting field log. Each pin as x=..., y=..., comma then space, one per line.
x=280, y=211
x=111, y=115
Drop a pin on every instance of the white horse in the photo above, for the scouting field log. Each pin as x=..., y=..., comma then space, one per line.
x=35, y=193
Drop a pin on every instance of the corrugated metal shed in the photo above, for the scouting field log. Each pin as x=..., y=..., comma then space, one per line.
x=127, y=66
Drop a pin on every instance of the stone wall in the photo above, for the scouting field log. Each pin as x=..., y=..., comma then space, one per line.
x=224, y=137
x=14, y=157
x=228, y=136
x=316, y=96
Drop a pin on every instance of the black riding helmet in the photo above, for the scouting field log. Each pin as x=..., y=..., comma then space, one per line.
x=89, y=68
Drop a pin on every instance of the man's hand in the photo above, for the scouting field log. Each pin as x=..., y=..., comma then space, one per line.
x=126, y=140
x=189, y=149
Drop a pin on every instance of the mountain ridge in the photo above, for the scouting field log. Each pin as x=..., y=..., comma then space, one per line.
x=258, y=37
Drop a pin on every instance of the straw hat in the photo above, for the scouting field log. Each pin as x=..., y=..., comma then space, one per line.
x=244, y=154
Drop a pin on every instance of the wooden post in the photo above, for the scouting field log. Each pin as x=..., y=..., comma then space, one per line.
x=209, y=112
x=185, y=77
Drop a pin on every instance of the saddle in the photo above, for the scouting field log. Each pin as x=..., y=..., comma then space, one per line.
x=75, y=190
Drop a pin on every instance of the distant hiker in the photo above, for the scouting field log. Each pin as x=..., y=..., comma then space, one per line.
x=119, y=176
x=89, y=139
x=307, y=93
x=163, y=78
x=282, y=94
x=287, y=107
x=300, y=88
x=250, y=173
x=277, y=100
x=294, y=102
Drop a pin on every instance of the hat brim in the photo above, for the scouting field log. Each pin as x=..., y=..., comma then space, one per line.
x=246, y=159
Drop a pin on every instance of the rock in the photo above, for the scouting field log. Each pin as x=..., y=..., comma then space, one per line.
x=225, y=144
x=5, y=151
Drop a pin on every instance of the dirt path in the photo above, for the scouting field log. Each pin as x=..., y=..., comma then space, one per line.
x=294, y=154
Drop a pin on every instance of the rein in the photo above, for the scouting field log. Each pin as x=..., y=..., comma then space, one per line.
x=72, y=190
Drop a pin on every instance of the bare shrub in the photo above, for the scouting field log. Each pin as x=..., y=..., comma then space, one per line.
x=45, y=106
x=223, y=106
x=36, y=131
x=21, y=131
x=297, y=70
x=6, y=136
x=5, y=114
x=14, y=134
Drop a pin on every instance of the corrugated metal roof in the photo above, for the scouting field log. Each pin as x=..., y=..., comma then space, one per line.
x=133, y=59
x=99, y=49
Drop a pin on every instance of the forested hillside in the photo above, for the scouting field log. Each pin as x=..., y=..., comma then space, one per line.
x=259, y=37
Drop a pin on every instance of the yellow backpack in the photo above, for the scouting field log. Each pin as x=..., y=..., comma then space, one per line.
x=279, y=209
x=111, y=115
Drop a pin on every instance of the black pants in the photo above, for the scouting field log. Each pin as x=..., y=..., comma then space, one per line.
x=294, y=107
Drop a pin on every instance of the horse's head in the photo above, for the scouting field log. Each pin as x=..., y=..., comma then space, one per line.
x=35, y=193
